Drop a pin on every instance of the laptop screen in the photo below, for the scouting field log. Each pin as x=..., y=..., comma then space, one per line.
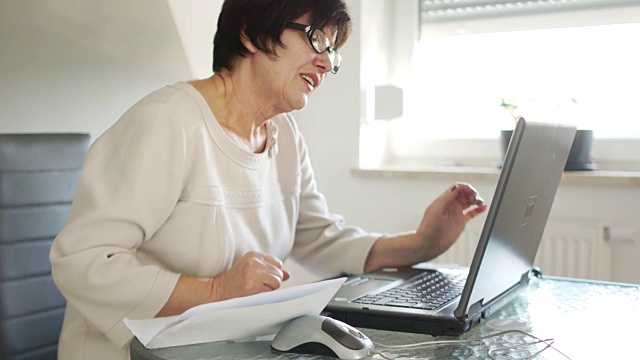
x=518, y=214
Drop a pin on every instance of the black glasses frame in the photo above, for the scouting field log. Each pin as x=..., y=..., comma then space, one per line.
x=334, y=55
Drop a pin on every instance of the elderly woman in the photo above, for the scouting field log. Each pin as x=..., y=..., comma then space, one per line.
x=201, y=189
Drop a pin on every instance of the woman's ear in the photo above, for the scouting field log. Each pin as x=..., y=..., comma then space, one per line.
x=247, y=43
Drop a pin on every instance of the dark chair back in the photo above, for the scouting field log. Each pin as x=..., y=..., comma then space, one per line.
x=39, y=174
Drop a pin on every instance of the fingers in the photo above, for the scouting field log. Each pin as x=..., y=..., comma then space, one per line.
x=265, y=269
x=285, y=275
x=252, y=274
x=466, y=194
x=474, y=210
x=276, y=268
x=467, y=198
x=270, y=259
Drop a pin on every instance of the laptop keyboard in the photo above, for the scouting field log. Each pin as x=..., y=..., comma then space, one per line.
x=428, y=291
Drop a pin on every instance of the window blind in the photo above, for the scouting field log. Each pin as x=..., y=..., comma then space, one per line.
x=452, y=10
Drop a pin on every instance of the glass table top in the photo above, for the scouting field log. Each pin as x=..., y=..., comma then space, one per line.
x=585, y=320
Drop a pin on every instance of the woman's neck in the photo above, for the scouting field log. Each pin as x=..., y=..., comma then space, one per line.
x=236, y=113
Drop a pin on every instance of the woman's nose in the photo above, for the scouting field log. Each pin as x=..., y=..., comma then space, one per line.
x=323, y=62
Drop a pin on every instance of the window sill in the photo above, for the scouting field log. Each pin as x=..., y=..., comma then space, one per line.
x=474, y=174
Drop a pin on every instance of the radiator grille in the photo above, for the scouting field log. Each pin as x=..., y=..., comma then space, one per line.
x=568, y=248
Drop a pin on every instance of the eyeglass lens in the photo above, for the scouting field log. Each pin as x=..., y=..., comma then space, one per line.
x=320, y=42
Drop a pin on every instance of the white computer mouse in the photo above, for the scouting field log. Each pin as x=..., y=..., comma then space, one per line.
x=321, y=335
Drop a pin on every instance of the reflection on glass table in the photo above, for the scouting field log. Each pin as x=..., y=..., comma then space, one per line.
x=581, y=319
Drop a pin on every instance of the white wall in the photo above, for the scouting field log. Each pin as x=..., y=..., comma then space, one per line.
x=75, y=65
x=72, y=65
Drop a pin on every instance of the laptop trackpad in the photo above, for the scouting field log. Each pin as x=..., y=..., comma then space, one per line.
x=360, y=286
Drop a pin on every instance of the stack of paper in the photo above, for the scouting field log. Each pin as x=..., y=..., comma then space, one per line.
x=256, y=315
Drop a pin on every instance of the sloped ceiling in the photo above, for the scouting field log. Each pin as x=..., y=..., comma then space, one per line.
x=76, y=65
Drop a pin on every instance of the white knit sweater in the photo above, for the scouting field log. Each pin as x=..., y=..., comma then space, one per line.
x=165, y=192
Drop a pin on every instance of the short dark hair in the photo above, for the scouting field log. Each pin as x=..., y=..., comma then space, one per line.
x=263, y=21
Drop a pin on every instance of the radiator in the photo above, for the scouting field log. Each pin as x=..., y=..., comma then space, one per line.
x=571, y=248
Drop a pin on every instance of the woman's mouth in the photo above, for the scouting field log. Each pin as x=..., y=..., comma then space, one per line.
x=310, y=80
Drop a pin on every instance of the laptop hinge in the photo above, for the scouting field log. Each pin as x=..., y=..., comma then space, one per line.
x=475, y=308
x=536, y=272
x=531, y=273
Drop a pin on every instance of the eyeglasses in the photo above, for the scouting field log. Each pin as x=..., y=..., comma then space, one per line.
x=320, y=43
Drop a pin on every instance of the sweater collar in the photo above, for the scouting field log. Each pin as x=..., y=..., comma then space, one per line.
x=225, y=143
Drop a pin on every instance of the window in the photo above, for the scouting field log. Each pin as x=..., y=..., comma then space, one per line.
x=475, y=68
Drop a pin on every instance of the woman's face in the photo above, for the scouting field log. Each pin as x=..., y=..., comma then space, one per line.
x=297, y=71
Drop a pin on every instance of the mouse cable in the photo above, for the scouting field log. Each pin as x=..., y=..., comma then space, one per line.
x=548, y=342
x=378, y=352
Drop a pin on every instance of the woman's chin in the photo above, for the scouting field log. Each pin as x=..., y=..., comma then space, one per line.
x=300, y=103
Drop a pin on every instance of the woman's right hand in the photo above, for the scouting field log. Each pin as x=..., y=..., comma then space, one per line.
x=254, y=273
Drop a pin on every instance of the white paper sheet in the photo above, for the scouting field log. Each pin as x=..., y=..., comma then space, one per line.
x=256, y=315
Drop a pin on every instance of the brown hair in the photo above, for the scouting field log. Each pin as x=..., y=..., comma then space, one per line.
x=263, y=21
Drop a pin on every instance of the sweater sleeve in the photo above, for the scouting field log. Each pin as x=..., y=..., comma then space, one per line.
x=131, y=181
x=324, y=244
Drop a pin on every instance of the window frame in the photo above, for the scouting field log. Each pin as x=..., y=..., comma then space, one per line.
x=397, y=50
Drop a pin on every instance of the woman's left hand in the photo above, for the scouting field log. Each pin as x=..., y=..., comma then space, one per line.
x=442, y=223
x=446, y=217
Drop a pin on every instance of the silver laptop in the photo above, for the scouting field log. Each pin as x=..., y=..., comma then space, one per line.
x=450, y=301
